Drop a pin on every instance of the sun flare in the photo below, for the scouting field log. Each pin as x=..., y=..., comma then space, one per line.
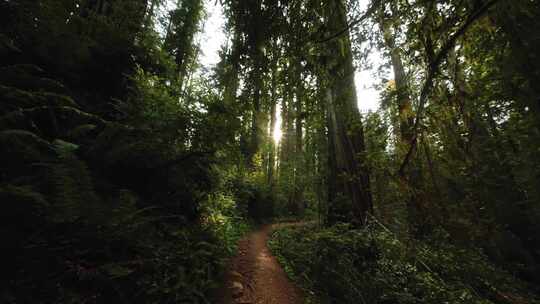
x=276, y=133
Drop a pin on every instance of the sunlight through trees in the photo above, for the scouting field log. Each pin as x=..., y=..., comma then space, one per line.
x=141, y=139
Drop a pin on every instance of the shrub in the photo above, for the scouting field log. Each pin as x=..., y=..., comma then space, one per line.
x=344, y=265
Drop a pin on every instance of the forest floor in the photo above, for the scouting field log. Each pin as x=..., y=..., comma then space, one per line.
x=255, y=276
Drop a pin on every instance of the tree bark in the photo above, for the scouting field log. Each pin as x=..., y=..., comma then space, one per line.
x=352, y=198
x=418, y=215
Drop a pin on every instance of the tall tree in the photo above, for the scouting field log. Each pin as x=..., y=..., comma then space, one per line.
x=184, y=22
x=418, y=213
x=348, y=173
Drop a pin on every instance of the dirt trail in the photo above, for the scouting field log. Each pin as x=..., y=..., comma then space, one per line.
x=255, y=276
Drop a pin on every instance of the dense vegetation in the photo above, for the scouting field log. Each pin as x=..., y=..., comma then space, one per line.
x=128, y=171
x=340, y=264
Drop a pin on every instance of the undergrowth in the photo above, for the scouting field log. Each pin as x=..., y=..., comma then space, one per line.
x=344, y=265
x=99, y=211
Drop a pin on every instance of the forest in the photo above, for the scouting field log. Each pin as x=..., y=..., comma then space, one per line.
x=131, y=172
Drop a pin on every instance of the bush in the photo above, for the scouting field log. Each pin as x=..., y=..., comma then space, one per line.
x=344, y=265
x=255, y=198
x=100, y=212
x=221, y=215
x=69, y=243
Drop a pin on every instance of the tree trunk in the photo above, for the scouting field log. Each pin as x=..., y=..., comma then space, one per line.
x=232, y=69
x=299, y=151
x=418, y=215
x=257, y=41
x=352, y=200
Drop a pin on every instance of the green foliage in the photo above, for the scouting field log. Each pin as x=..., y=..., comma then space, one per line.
x=254, y=196
x=106, y=211
x=126, y=176
x=222, y=215
x=183, y=24
x=100, y=245
x=97, y=245
x=154, y=105
x=22, y=150
x=344, y=265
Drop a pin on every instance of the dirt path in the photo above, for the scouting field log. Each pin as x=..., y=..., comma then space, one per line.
x=255, y=276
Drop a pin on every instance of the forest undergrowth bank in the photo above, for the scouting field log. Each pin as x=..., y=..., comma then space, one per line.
x=93, y=212
x=113, y=187
x=371, y=265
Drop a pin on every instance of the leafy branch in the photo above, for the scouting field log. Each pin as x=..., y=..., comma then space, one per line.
x=433, y=70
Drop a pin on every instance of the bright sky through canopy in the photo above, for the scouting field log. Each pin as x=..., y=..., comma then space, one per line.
x=213, y=38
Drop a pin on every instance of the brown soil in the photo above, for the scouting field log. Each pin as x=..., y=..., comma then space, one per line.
x=255, y=276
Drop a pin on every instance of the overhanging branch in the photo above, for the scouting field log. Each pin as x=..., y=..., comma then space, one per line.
x=433, y=70
x=371, y=9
